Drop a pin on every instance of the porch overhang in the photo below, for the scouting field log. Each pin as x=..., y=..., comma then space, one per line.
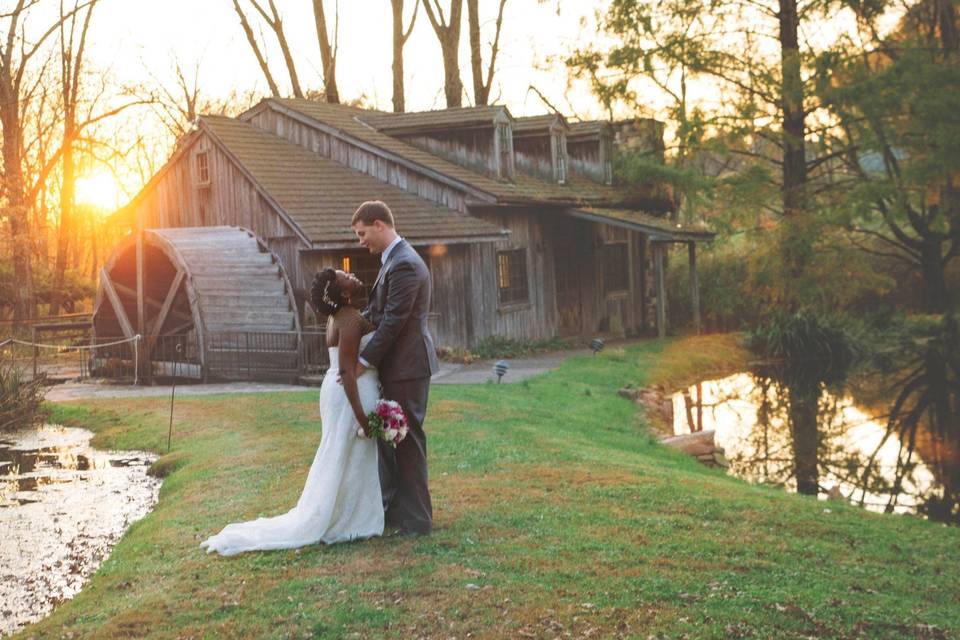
x=414, y=240
x=657, y=229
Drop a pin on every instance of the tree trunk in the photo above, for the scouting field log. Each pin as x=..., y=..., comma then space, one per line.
x=452, y=85
x=252, y=40
x=480, y=93
x=803, y=398
x=449, y=36
x=481, y=85
x=65, y=228
x=399, y=40
x=328, y=53
x=796, y=244
x=16, y=207
x=934, y=282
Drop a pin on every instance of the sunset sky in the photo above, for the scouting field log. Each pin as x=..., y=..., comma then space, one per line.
x=138, y=43
x=136, y=36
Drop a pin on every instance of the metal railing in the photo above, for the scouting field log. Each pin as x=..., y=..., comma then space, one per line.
x=286, y=356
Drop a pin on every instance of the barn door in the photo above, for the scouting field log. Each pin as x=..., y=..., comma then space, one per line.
x=568, y=263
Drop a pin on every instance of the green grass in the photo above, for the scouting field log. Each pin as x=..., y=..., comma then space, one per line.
x=557, y=516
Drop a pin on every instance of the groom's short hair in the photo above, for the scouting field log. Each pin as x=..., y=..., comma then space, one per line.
x=373, y=210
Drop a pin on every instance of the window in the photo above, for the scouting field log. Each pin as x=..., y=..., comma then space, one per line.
x=616, y=265
x=203, y=169
x=366, y=267
x=558, y=146
x=512, y=276
x=504, y=147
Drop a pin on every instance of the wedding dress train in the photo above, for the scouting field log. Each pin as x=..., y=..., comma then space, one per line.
x=341, y=499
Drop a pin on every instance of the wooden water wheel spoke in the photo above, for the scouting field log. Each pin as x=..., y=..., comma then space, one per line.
x=194, y=287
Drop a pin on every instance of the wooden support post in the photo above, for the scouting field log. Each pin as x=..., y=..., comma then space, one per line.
x=167, y=304
x=658, y=251
x=141, y=293
x=694, y=285
x=117, y=305
x=141, y=315
x=36, y=349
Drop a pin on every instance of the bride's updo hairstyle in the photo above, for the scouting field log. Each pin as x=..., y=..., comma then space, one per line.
x=325, y=293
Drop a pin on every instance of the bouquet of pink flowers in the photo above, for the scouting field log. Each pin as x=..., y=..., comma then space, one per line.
x=387, y=422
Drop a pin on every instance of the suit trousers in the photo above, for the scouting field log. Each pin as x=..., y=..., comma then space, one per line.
x=403, y=471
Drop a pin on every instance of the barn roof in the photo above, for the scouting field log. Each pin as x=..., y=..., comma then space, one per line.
x=359, y=126
x=532, y=124
x=454, y=118
x=320, y=195
x=588, y=129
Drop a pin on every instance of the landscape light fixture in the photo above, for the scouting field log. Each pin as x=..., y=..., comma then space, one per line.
x=500, y=368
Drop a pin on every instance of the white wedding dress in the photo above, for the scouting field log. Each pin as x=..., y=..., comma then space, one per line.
x=341, y=500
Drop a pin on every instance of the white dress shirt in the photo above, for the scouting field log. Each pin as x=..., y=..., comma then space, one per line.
x=390, y=247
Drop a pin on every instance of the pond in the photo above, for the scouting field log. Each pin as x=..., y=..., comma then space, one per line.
x=886, y=440
x=63, y=506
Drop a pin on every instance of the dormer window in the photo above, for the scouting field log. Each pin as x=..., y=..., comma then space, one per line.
x=203, y=168
x=503, y=141
x=558, y=149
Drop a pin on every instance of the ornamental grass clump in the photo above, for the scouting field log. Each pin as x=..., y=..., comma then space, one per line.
x=21, y=401
x=808, y=343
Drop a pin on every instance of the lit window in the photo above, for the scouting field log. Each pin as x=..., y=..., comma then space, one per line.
x=512, y=276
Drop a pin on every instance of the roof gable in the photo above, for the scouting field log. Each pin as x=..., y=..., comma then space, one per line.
x=351, y=124
x=320, y=195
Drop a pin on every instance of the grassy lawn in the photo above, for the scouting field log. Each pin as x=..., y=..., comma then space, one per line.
x=557, y=515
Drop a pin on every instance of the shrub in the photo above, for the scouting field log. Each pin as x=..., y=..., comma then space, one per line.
x=807, y=335
x=21, y=401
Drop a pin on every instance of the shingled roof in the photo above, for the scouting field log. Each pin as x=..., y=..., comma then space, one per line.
x=530, y=124
x=454, y=118
x=588, y=128
x=526, y=189
x=320, y=195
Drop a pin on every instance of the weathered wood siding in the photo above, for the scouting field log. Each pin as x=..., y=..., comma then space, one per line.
x=585, y=159
x=229, y=198
x=472, y=148
x=533, y=154
x=354, y=157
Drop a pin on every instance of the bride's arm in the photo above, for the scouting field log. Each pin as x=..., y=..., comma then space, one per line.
x=350, y=334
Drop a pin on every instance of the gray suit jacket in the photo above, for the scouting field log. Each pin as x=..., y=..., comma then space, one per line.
x=401, y=347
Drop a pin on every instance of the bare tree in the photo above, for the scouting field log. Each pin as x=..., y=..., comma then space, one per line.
x=15, y=54
x=328, y=52
x=71, y=63
x=261, y=60
x=481, y=86
x=399, y=40
x=275, y=23
x=448, y=33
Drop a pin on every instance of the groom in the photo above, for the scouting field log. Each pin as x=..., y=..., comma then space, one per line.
x=402, y=350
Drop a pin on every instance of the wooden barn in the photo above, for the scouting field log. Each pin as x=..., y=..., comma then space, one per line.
x=524, y=230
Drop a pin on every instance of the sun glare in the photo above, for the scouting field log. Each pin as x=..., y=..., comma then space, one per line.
x=99, y=190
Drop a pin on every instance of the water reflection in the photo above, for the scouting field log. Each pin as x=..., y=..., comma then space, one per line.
x=63, y=505
x=888, y=440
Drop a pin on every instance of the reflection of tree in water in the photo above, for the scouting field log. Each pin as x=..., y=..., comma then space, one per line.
x=925, y=418
x=806, y=435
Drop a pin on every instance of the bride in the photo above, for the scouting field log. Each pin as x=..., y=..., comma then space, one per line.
x=341, y=499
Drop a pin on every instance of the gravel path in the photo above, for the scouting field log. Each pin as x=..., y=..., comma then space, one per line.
x=450, y=373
